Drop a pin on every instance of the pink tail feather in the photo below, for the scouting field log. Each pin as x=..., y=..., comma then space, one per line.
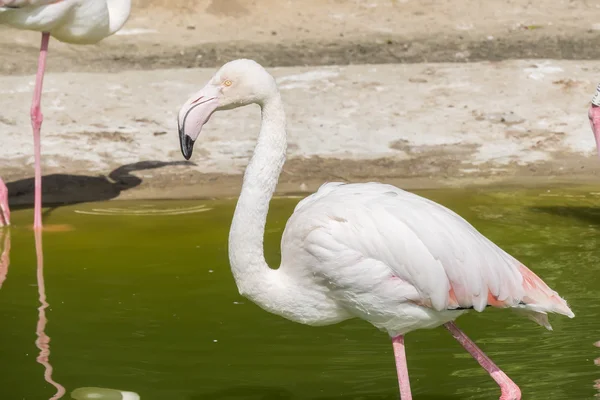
x=539, y=297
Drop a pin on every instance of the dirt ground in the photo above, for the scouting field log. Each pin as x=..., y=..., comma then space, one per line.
x=174, y=34
x=205, y=33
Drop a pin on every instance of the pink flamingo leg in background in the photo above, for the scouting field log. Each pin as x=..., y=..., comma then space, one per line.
x=43, y=340
x=510, y=391
x=594, y=116
x=401, y=367
x=36, y=123
x=4, y=210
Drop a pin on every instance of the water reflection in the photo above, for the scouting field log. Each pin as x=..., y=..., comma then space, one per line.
x=4, y=254
x=87, y=393
x=597, y=362
x=43, y=340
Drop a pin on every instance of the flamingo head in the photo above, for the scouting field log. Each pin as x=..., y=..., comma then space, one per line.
x=594, y=116
x=236, y=84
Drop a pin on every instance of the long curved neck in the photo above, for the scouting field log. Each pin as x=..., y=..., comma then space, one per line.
x=246, y=253
x=118, y=13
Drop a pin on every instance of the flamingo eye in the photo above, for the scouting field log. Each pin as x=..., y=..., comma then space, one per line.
x=227, y=82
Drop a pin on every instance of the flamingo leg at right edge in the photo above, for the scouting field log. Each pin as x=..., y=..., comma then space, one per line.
x=36, y=123
x=4, y=210
x=401, y=367
x=510, y=391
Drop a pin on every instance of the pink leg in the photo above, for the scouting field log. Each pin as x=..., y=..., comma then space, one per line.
x=510, y=391
x=401, y=367
x=36, y=123
x=594, y=116
x=4, y=210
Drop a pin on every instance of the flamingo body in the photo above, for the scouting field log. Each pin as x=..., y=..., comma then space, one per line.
x=402, y=262
x=69, y=21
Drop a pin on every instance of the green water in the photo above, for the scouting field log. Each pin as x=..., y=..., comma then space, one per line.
x=147, y=303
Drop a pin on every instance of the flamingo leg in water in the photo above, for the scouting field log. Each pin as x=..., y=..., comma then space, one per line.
x=36, y=123
x=4, y=210
x=401, y=367
x=510, y=391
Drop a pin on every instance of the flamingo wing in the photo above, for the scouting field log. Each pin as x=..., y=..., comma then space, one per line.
x=39, y=15
x=371, y=232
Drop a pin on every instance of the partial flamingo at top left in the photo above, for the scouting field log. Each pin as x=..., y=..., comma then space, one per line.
x=69, y=21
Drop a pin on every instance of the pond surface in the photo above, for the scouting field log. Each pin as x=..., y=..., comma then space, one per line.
x=141, y=298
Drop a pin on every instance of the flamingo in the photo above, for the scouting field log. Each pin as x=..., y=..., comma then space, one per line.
x=361, y=250
x=594, y=116
x=69, y=21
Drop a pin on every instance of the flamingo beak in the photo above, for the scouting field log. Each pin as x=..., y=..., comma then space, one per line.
x=193, y=115
x=186, y=143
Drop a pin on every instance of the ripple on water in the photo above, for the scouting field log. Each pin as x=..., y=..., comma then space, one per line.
x=145, y=211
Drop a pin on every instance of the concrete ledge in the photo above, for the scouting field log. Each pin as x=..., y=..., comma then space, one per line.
x=438, y=122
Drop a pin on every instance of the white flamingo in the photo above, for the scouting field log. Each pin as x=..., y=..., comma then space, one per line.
x=69, y=21
x=367, y=250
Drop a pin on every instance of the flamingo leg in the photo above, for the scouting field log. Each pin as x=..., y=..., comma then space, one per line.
x=4, y=210
x=510, y=391
x=401, y=367
x=594, y=116
x=36, y=123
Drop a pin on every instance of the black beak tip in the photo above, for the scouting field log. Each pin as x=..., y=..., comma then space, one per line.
x=187, y=145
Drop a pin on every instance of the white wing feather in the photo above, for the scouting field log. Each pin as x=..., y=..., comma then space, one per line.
x=25, y=3
x=377, y=238
x=69, y=21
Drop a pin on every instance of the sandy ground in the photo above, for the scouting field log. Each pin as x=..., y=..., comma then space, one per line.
x=440, y=93
x=205, y=33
